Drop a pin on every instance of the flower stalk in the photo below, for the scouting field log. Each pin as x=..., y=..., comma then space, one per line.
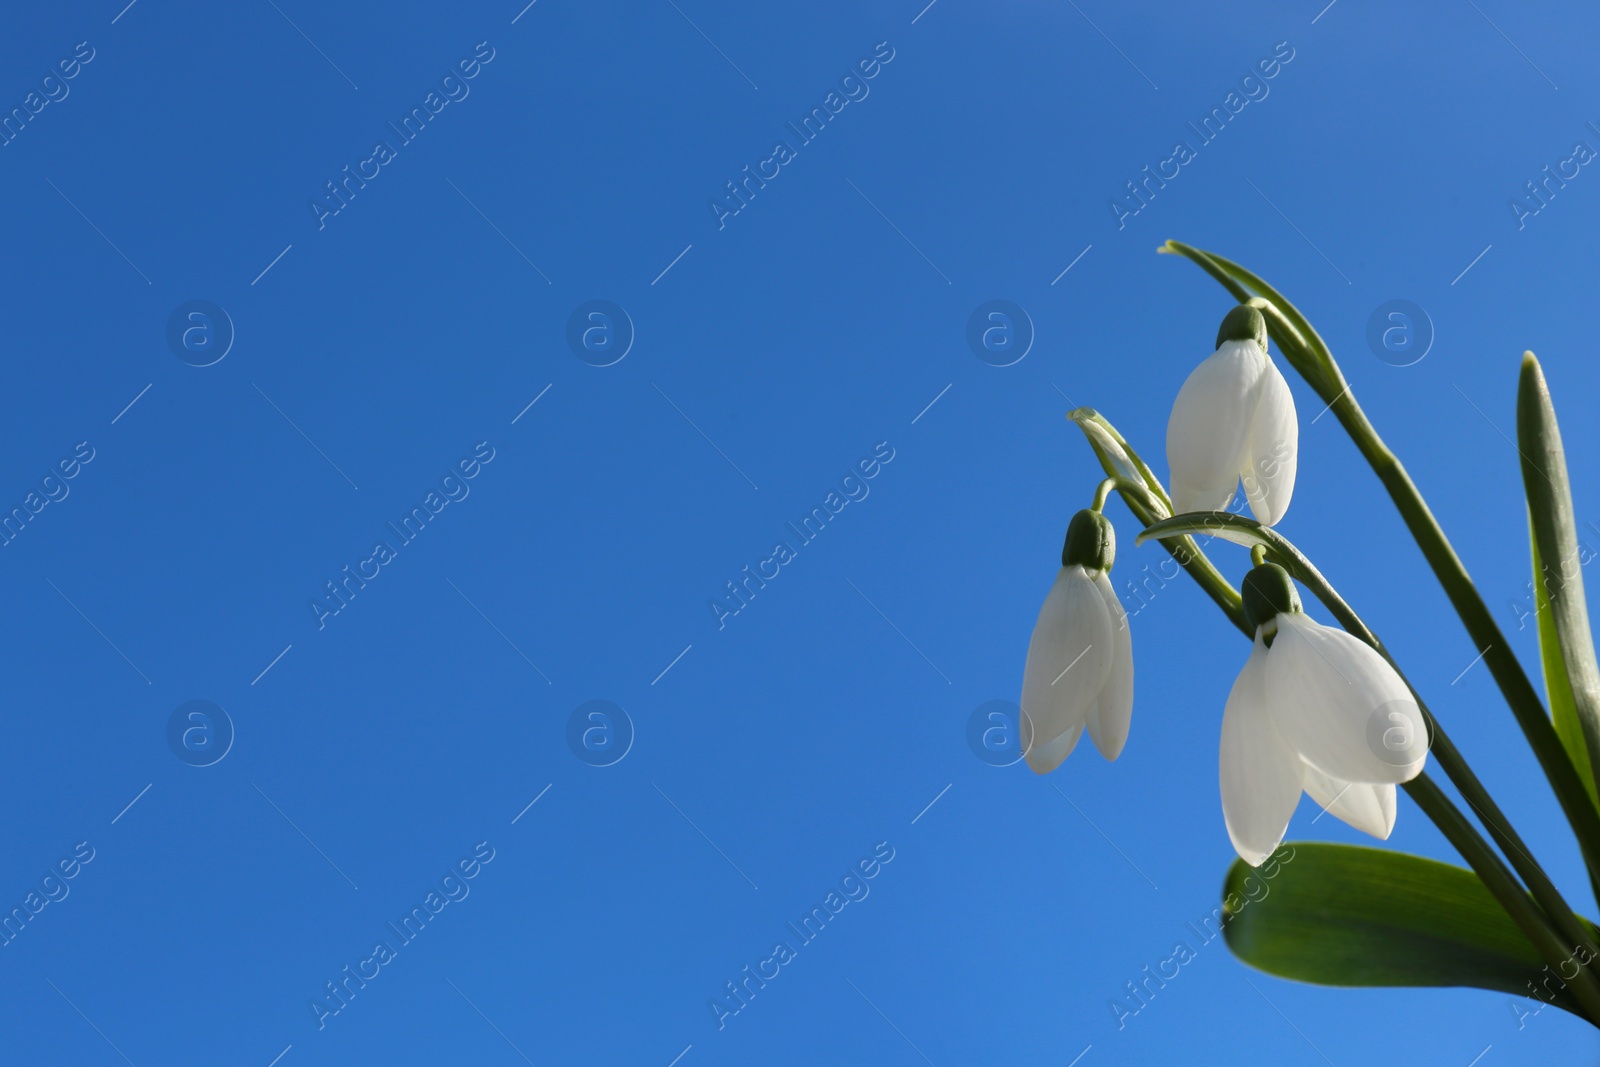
x=1572, y=931
x=1327, y=711
x=1309, y=354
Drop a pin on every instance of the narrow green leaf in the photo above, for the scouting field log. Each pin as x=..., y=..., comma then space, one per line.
x=1566, y=648
x=1558, y=692
x=1348, y=916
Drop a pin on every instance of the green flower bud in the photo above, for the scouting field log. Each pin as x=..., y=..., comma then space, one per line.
x=1091, y=541
x=1268, y=592
x=1243, y=323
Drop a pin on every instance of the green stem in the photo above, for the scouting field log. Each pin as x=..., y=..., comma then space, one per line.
x=1575, y=934
x=1307, y=352
x=1489, y=867
x=1482, y=628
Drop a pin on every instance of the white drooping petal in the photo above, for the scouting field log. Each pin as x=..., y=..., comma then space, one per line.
x=1068, y=659
x=1109, y=718
x=1368, y=808
x=1042, y=759
x=1259, y=771
x=1273, y=450
x=1341, y=706
x=1210, y=426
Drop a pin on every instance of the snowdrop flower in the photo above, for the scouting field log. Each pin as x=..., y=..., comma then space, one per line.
x=1317, y=710
x=1234, y=418
x=1080, y=662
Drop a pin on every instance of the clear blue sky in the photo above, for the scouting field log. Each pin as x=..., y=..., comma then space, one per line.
x=772, y=351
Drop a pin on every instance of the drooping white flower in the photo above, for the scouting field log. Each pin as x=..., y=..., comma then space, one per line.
x=1079, y=671
x=1234, y=420
x=1314, y=710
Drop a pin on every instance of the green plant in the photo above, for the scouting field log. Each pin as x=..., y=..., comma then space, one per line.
x=1330, y=711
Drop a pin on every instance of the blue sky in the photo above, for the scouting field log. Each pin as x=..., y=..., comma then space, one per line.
x=411, y=351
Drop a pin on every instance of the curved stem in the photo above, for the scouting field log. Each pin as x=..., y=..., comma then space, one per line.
x=1310, y=355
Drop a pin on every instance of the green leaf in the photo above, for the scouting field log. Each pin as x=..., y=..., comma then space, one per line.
x=1558, y=692
x=1566, y=648
x=1348, y=916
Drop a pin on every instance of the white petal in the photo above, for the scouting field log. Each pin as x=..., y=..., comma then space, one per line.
x=1273, y=451
x=1068, y=657
x=1108, y=719
x=1209, y=429
x=1260, y=773
x=1042, y=759
x=1368, y=808
x=1341, y=706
